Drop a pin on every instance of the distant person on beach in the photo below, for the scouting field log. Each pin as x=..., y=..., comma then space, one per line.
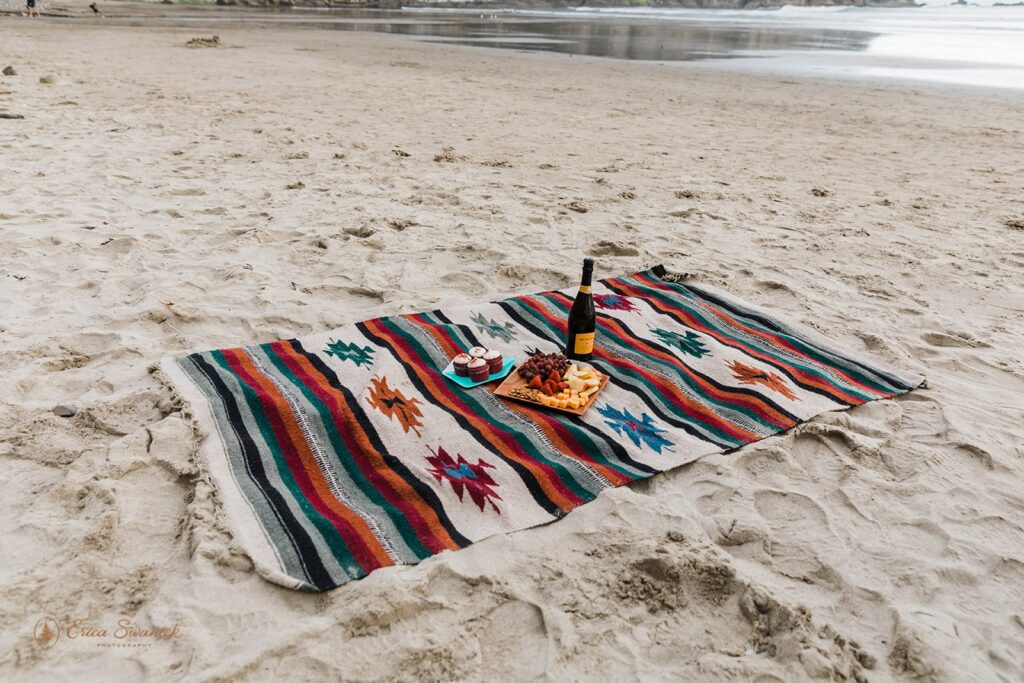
x=30, y=8
x=95, y=9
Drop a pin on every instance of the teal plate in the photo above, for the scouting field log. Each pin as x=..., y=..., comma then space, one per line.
x=467, y=383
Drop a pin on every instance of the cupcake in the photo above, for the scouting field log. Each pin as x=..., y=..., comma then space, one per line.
x=494, y=360
x=478, y=370
x=461, y=364
x=477, y=351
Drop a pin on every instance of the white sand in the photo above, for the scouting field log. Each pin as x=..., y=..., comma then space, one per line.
x=144, y=212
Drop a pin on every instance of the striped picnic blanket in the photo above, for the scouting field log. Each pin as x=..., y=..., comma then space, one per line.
x=343, y=452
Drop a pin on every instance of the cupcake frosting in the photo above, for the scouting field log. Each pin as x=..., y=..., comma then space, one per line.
x=462, y=359
x=477, y=351
x=477, y=362
x=491, y=355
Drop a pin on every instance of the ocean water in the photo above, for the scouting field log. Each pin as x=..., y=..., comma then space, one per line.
x=977, y=44
x=969, y=45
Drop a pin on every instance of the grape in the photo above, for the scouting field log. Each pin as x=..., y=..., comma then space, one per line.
x=543, y=364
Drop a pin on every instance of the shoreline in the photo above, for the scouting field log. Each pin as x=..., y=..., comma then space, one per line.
x=757, y=47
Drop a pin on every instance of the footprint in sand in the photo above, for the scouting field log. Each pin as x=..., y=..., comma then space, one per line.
x=609, y=248
x=780, y=292
x=1009, y=572
x=793, y=513
x=873, y=343
x=952, y=340
x=801, y=536
x=733, y=531
x=464, y=282
x=816, y=458
x=520, y=274
x=512, y=627
x=118, y=245
x=921, y=538
x=711, y=497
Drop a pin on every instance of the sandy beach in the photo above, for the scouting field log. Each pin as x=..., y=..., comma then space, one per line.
x=158, y=199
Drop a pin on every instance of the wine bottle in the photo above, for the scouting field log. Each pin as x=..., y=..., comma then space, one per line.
x=579, y=343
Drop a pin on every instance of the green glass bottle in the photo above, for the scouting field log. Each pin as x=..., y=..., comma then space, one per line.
x=579, y=343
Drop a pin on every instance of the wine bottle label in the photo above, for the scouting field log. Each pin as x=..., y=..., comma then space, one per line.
x=584, y=289
x=584, y=343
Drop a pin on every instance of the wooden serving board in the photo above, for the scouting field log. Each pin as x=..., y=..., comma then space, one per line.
x=514, y=381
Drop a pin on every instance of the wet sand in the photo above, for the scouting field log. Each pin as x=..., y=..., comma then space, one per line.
x=976, y=46
x=628, y=37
